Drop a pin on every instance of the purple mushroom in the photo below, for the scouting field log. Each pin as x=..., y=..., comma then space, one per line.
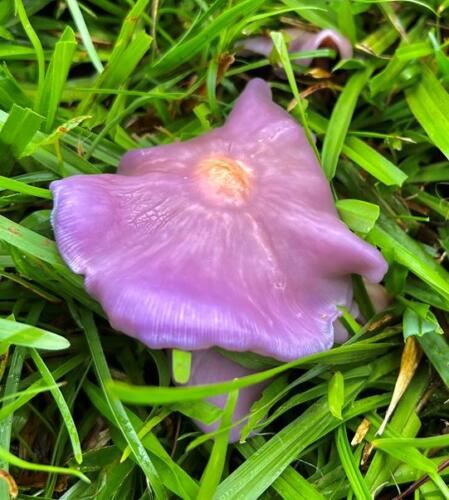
x=230, y=239
x=300, y=41
x=210, y=367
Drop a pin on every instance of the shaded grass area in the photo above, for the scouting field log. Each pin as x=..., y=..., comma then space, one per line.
x=83, y=82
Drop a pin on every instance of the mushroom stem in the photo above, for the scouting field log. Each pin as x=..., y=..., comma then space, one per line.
x=210, y=367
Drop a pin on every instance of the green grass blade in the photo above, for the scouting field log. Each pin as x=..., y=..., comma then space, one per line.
x=22, y=464
x=282, y=51
x=142, y=395
x=350, y=465
x=21, y=187
x=30, y=392
x=186, y=49
x=363, y=155
x=404, y=423
x=429, y=102
x=336, y=394
x=257, y=473
x=373, y=162
x=116, y=407
x=436, y=349
x=359, y=215
x=174, y=477
x=34, y=388
x=421, y=3
x=12, y=332
x=181, y=361
x=35, y=42
x=214, y=468
x=440, y=441
x=420, y=462
x=117, y=68
x=56, y=77
x=30, y=242
x=290, y=485
x=407, y=252
x=340, y=120
x=80, y=23
x=11, y=386
x=19, y=128
x=61, y=403
x=10, y=91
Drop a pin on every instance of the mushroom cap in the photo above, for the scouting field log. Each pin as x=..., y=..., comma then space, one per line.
x=300, y=41
x=230, y=239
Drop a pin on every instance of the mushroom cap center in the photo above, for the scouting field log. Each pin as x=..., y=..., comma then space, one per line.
x=224, y=180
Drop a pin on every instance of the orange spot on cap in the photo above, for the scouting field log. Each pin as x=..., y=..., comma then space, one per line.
x=225, y=180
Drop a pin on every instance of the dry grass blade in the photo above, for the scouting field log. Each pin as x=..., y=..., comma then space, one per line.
x=13, y=490
x=361, y=432
x=411, y=357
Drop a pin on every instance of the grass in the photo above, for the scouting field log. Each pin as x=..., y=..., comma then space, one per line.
x=83, y=82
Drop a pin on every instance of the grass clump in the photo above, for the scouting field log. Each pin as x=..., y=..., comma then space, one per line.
x=83, y=82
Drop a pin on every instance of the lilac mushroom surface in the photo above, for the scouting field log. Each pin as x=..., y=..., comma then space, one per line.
x=300, y=41
x=211, y=367
x=230, y=239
